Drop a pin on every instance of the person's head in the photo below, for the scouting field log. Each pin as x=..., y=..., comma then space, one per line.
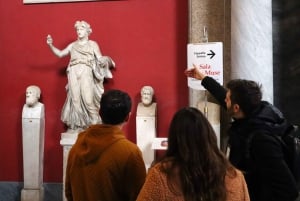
x=33, y=94
x=198, y=166
x=82, y=28
x=147, y=93
x=115, y=107
x=191, y=137
x=243, y=97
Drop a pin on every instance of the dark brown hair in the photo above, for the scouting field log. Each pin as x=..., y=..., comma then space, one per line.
x=246, y=93
x=193, y=163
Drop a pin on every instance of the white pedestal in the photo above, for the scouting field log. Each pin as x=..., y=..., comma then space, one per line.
x=146, y=132
x=32, y=195
x=67, y=141
x=33, y=132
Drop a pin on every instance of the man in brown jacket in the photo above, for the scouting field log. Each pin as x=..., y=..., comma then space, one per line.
x=103, y=165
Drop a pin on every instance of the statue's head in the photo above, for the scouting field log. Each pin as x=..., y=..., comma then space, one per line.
x=147, y=93
x=84, y=25
x=33, y=94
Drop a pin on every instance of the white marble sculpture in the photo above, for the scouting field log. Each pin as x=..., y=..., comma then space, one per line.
x=86, y=72
x=33, y=132
x=146, y=124
x=147, y=107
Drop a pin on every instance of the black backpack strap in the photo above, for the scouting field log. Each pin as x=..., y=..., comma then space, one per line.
x=248, y=145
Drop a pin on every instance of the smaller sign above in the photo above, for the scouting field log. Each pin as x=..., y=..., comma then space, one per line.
x=208, y=57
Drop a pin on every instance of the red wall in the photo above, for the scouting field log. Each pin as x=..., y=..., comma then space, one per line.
x=146, y=38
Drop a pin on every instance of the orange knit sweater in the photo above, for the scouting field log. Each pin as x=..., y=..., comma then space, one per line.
x=156, y=187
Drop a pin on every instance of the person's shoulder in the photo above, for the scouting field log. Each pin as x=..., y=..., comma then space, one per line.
x=164, y=165
x=261, y=136
x=233, y=178
x=262, y=140
x=233, y=172
x=236, y=186
x=265, y=145
x=128, y=145
x=157, y=169
x=239, y=173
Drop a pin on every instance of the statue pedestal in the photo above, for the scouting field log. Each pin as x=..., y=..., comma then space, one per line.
x=146, y=132
x=33, y=132
x=32, y=194
x=67, y=141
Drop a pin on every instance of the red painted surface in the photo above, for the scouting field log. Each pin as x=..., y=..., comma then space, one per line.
x=147, y=40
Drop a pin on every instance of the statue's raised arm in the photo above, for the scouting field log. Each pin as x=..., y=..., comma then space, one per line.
x=55, y=50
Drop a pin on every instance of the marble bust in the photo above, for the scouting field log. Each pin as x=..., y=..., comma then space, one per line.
x=146, y=107
x=33, y=135
x=32, y=107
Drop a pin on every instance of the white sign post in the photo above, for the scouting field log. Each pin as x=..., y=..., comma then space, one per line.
x=208, y=57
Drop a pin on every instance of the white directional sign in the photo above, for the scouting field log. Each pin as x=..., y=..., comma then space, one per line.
x=208, y=57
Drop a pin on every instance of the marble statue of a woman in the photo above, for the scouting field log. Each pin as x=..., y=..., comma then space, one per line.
x=86, y=71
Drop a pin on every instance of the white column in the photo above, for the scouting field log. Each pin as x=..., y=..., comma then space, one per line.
x=251, y=43
x=211, y=14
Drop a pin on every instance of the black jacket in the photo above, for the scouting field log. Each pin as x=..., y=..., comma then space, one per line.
x=266, y=172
